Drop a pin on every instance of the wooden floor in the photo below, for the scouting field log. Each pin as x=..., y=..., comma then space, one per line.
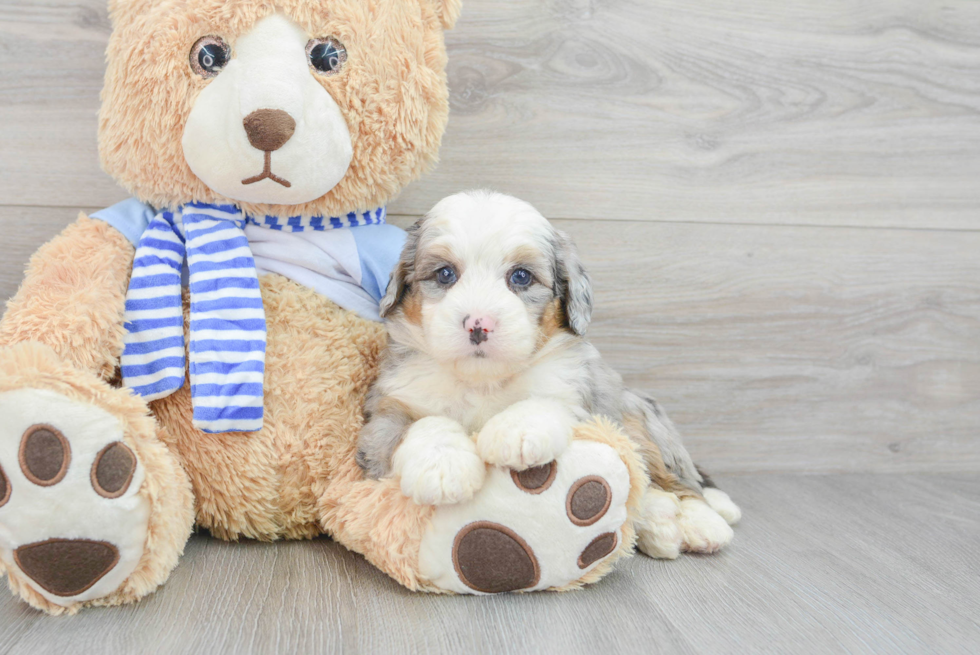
x=821, y=564
x=780, y=205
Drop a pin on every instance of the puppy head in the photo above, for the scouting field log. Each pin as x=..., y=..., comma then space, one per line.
x=293, y=107
x=484, y=281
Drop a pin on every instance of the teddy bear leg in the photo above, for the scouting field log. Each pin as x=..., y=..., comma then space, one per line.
x=558, y=526
x=94, y=510
x=93, y=507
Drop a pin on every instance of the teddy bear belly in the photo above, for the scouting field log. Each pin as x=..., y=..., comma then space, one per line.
x=320, y=360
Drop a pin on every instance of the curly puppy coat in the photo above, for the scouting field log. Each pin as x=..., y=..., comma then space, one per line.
x=486, y=313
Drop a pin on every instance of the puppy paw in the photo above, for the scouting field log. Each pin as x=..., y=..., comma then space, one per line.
x=703, y=530
x=526, y=434
x=437, y=463
x=658, y=532
x=719, y=501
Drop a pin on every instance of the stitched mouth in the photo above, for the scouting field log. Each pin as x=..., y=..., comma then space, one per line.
x=267, y=174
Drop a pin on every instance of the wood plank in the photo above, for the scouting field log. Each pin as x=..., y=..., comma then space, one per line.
x=797, y=348
x=854, y=113
x=773, y=348
x=860, y=564
x=848, y=113
x=50, y=79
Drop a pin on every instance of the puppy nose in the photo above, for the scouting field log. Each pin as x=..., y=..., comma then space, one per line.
x=479, y=328
x=269, y=129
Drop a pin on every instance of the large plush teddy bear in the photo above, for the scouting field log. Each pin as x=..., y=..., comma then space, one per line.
x=200, y=354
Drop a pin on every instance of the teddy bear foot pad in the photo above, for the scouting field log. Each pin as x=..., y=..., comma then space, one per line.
x=72, y=522
x=543, y=528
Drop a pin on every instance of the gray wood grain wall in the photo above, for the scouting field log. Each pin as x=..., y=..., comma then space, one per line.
x=779, y=201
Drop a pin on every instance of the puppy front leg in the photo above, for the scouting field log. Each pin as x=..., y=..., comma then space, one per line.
x=529, y=433
x=437, y=462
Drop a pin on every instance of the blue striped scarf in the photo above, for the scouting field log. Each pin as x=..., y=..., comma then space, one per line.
x=227, y=321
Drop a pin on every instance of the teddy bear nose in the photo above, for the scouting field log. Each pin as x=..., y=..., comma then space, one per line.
x=269, y=129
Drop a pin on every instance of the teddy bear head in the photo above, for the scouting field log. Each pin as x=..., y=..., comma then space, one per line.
x=291, y=107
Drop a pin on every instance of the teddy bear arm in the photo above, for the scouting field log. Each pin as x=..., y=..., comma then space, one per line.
x=73, y=297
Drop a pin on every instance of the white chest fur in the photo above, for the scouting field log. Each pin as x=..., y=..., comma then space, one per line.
x=434, y=389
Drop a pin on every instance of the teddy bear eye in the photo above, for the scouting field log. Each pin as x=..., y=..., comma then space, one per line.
x=209, y=55
x=326, y=55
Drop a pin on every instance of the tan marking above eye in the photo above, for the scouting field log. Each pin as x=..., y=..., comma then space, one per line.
x=113, y=470
x=44, y=455
x=436, y=255
x=532, y=259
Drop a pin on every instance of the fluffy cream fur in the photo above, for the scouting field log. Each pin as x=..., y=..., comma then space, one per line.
x=72, y=297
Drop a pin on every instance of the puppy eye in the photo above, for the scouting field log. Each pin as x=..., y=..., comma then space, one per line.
x=326, y=55
x=521, y=277
x=446, y=275
x=209, y=55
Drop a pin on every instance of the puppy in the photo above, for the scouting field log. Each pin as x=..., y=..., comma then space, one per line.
x=487, y=311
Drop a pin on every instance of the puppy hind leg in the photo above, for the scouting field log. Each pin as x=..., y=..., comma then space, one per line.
x=718, y=500
x=701, y=527
x=703, y=530
x=658, y=531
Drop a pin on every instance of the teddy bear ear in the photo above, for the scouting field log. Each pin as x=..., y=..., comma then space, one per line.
x=447, y=10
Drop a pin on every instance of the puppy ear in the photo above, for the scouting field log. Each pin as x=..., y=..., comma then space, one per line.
x=398, y=283
x=572, y=284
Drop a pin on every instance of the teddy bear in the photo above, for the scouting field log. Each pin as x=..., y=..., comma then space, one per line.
x=199, y=355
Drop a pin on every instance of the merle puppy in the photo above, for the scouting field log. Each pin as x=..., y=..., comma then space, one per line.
x=487, y=312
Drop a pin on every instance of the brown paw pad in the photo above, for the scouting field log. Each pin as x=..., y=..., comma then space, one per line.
x=4, y=489
x=113, y=470
x=66, y=567
x=492, y=558
x=588, y=500
x=44, y=455
x=598, y=548
x=537, y=479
